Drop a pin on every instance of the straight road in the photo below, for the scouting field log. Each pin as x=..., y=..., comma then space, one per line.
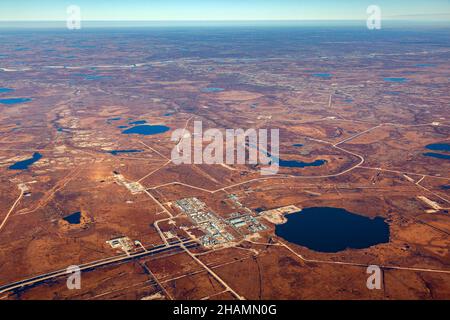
x=96, y=264
x=11, y=209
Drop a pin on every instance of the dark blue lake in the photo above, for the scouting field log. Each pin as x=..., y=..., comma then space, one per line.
x=146, y=130
x=300, y=164
x=395, y=79
x=437, y=155
x=14, y=101
x=297, y=145
x=116, y=152
x=73, y=218
x=439, y=147
x=445, y=187
x=294, y=163
x=23, y=165
x=326, y=229
x=4, y=90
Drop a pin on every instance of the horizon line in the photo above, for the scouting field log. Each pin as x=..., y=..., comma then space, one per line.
x=129, y=24
x=392, y=18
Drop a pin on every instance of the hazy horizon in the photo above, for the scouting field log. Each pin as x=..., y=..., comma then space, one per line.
x=61, y=24
x=222, y=10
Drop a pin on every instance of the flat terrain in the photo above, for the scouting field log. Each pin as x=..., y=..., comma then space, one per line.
x=330, y=92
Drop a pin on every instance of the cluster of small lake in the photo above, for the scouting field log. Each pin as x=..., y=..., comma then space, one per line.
x=387, y=79
x=330, y=230
x=442, y=147
x=12, y=101
x=140, y=127
x=24, y=164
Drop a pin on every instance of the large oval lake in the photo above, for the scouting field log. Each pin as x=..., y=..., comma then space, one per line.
x=326, y=229
x=146, y=130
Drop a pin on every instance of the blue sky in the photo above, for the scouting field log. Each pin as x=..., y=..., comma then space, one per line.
x=11, y=10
